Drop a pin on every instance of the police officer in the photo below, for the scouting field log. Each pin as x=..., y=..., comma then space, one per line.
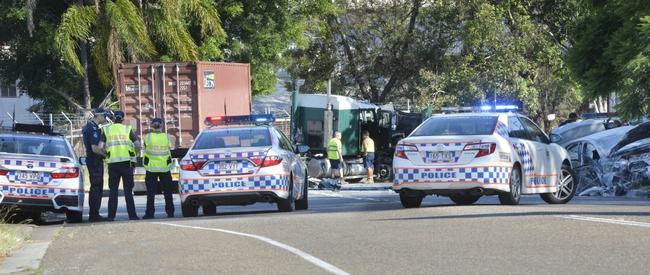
x=95, y=162
x=120, y=144
x=157, y=161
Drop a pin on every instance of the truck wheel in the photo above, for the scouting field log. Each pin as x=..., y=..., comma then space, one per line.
x=286, y=205
x=384, y=173
x=512, y=197
x=462, y=199
x=73, y=216
x=303, y=203
x=209, y=209
x=566, y=189
x=189, y=210
x=410, y=200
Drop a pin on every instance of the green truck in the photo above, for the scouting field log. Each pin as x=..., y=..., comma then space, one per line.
x=313, y=124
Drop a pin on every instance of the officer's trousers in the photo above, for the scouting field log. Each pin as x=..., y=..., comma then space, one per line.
x=96, y=175
x=151, y=180
x=123, y=171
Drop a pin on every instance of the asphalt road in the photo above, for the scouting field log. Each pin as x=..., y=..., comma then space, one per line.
x=368, y=232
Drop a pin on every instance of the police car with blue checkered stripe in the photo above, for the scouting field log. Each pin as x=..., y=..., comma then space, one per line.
x=242, y=160
x=39, y=172
x=468, y=155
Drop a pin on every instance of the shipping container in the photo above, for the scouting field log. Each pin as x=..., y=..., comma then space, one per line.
x=183, y=94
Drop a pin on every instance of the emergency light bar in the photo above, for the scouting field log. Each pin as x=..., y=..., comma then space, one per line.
x=252, y=119
x=499, y=108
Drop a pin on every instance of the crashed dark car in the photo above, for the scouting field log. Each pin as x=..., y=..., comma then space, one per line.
x=632, y=154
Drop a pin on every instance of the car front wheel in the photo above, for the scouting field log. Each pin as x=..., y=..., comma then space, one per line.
x=566, y=189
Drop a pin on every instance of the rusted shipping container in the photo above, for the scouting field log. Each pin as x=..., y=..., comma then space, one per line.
x=185, y=92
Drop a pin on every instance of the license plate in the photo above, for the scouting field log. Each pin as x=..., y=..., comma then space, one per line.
x=440, y=156
x=228, y=166
x=29, y=176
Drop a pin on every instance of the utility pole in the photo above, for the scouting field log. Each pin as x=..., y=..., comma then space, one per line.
x=328, y=116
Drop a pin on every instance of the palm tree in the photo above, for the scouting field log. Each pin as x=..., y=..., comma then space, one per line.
x=116, y=31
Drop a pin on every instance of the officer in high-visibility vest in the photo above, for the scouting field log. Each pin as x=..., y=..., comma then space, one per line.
x=157, y=163
x=121, y=145
x=335, y=156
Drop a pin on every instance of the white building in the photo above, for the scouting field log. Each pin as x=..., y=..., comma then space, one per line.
x=13, y=98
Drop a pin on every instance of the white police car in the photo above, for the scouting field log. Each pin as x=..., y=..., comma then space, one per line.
x=242, y=160
x=468, y=155
x=40, y=173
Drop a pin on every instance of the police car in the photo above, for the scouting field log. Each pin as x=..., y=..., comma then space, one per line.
x=40, y=172
x=242, y=160
x=465, y=156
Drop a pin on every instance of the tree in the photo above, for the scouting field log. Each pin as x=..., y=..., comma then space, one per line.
x=117, y=31
x=611, y=53
x=445, y=52
x=27, y=53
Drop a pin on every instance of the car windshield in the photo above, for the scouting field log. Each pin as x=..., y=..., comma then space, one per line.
x=232, y=138
x=34, y=146
x=457, y=126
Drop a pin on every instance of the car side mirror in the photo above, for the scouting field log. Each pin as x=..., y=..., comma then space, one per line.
x=83, y=160
x=301, y=149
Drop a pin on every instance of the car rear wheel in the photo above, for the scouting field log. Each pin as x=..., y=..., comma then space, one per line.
x=303, y=203
x=73, y=216
x=512, y=197
x=566, y=189
x=286, y=205
x=410, y=200
x=209, y=209
x=464, y=199
x=189, y=210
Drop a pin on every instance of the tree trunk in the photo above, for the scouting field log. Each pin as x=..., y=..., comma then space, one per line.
x=85, y=85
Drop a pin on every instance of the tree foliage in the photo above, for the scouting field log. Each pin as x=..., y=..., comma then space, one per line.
x=444, y=52
x=611, y=53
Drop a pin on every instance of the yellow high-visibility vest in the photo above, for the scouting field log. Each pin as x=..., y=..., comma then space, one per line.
x=333, y=147
x=119, y=146
x=157, y=151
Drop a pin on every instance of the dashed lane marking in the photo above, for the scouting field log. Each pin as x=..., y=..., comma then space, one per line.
x=603, y=220
x=306, y=256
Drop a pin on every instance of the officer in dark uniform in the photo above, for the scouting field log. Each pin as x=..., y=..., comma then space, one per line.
x=95, y=162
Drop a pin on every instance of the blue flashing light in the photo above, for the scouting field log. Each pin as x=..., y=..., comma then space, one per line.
x=252, y=119
x=507, y=107
x=486, y=108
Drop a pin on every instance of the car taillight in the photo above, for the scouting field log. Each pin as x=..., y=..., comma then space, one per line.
x=65, y=173
x=4, y=172
x=401, y=149
x=189, y=165
x=266, y=161
x=483, y=149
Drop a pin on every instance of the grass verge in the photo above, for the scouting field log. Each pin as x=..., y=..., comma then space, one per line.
x=11, y=235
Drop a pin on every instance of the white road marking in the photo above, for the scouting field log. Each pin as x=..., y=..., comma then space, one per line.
x=338, y=195
x=308, y=257
x=603, y=220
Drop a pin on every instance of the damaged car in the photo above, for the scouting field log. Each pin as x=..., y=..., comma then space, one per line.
x=591, y=161
x=632, y=154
